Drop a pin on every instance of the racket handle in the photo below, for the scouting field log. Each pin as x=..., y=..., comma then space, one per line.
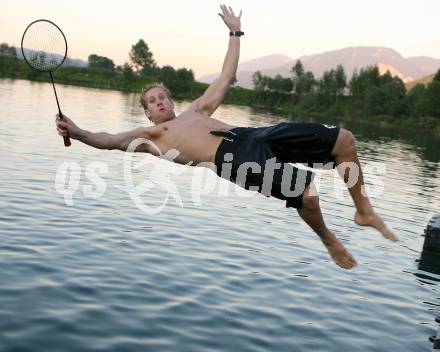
x=67, y=142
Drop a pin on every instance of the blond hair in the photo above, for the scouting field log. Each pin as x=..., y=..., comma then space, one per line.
x=149, y=86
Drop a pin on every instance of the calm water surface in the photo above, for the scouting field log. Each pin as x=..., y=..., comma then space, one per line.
x=212, y=271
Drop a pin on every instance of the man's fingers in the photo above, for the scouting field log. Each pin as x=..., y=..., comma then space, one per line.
x=228, y=11
x=62, y=124
x=63, y=118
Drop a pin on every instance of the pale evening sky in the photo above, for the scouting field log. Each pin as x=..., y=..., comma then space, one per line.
x=191, y=34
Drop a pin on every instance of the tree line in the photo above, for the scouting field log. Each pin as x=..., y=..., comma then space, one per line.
x=102, y=72
x=367, y=94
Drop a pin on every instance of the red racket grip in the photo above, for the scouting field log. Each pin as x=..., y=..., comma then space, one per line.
x=67, y=142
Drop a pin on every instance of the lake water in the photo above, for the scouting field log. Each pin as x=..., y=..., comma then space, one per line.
x=210, y=271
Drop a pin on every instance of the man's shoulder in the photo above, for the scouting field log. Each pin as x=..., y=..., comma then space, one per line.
x=191, y=112
x=193, y=107
x=196, y=109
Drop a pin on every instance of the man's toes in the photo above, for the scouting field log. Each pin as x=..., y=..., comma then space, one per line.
x=391, y=236
x=344, y=264
x=349, y=265
x=353, y=262
x=349, y=262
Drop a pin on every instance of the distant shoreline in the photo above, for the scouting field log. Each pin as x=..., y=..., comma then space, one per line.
x=272, y=101
x=429, y=125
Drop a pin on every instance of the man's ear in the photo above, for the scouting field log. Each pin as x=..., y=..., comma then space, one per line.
x=147, y=114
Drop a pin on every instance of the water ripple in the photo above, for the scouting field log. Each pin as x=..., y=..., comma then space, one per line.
x=225, y=276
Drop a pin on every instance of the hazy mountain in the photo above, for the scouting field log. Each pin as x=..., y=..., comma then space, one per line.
x=352, y=58
x=357, y=57
x=425, y=81
x=68, y=62
x=264, y=62
x=75, y=62
x=428, y=65
x=384, y=68
x=247, y=68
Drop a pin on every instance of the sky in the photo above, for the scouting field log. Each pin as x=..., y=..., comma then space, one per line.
x=191, y=34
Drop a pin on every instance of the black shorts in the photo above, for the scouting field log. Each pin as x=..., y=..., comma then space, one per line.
x=259, y=158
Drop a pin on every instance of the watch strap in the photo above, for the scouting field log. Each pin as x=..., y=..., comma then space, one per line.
x=236, y=33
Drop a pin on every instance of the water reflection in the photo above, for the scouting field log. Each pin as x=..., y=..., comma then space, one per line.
x=199, y=254
x=426, y=146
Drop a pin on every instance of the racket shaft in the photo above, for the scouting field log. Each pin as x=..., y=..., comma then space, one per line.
x=67, y=142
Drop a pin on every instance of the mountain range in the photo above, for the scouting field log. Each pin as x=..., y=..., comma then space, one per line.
x=351, y=58
x=68, y=62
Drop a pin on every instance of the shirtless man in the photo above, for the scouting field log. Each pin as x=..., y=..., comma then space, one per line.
x=198, y=138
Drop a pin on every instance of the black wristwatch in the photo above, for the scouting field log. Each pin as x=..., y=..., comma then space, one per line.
x=236, y=33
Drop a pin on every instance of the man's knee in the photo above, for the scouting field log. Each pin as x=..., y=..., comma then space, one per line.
x=346, y=142
x=310, y=200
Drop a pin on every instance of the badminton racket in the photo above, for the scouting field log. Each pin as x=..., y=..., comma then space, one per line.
x=44, y=48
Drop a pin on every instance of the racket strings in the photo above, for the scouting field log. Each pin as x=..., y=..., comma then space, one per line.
x=44, y=46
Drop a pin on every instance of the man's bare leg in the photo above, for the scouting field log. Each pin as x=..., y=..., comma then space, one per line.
x=345, y=151
x=310, y=212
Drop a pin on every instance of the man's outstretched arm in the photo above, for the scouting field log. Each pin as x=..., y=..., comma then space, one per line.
x=216, y=92
x=102, y=140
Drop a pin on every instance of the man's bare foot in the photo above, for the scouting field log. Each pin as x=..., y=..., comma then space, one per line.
x=375, y=221
x=339, y=254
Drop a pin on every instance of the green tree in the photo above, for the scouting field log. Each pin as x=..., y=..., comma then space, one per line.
x=327, y=88
x=297, y=72
x=257, y=81
x=303, y=82
x=101, y=62
x=340, y=81
x=387, y=97
x=178, y=81
x=183, y=80
x=279, y=84
x=416, y=100
x=307, y=82
x=433, y=96
x=362, y=81
x=185, y=75
x=271, y=91
x=437, y=77
x=141, y=56
x=167, y=74
x=150, y=71
x=267, y=83
x=7, y=51
x=127, y=72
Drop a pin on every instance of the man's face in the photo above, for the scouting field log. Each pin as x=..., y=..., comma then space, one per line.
x=160, y=107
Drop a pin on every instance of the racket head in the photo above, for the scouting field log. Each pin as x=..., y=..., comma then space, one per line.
x=44, y=45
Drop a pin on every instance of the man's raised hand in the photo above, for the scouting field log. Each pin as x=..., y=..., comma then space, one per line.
x=228, y=16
